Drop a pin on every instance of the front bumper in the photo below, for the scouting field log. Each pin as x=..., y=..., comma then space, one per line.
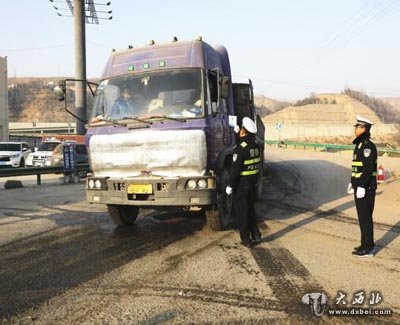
x=166, y=192
x=13, y=162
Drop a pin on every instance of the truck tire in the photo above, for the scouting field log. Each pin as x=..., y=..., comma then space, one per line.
x=213, y=220
x=260, y=183
x=123, y=215
x=219, y=216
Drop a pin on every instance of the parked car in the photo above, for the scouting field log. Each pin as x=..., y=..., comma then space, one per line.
x=81, y=155
x=13, y=154
x=42, y=156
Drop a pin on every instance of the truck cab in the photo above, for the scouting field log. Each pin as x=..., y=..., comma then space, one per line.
x=159, y=135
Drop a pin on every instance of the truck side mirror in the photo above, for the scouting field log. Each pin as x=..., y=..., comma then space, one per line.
x=59, y=91
x=224, y=87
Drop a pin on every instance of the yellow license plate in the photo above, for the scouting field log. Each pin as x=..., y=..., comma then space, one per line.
x=140, y=189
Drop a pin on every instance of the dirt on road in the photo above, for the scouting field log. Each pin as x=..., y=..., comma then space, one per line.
x=62, y=261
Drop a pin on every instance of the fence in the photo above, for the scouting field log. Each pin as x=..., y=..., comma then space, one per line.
x=38, y=171
x=330, y=147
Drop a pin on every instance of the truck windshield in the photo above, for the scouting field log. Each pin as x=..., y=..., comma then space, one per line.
x=10, y=147
x=173, y=93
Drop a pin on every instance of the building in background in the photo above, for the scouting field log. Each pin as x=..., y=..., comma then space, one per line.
x=3, y=100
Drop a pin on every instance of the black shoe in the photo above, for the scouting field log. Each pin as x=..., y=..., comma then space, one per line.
x=245, y=240
x=256, y=236
x=364, y=253
x=359, y=248
x=248, y=244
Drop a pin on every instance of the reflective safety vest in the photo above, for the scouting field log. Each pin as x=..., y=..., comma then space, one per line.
x=364, y=164
x=356, y=169
x=251, y=162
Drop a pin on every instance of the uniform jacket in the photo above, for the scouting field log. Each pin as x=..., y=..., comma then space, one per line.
x=365, y=156
x=245, y=162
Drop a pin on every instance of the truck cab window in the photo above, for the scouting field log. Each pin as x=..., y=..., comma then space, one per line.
x=175, y=93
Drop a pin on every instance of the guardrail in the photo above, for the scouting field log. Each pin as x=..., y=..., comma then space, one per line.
x=327, y=146
x=38, y=171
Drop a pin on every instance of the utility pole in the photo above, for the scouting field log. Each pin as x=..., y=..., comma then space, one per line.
x=80, y=64
x=83, y=11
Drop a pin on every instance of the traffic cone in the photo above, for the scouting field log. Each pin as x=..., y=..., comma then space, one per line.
x=381, y=174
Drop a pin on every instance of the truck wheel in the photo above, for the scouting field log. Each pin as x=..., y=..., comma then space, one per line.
x=213, y=220
x=260, y=183
x=219, y=216
x=123, y=215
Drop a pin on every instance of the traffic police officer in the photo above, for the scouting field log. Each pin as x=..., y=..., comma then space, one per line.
x=363, y=184
x=243, y=181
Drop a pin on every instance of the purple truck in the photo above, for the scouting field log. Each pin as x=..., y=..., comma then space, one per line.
x=160, y=134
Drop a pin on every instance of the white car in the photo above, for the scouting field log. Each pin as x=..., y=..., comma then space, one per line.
x=13, y=154
x=43, y=155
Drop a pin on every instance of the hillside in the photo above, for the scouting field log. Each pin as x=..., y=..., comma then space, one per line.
x=33, y=100
x=392, y=101
x=337, y=109
x=267, y=106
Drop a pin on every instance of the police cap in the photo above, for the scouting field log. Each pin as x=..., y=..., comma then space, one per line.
x=363, y=122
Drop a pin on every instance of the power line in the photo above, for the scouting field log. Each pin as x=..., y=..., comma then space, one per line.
x=361, y=22
x=385, y=11
x=307, y=85
x=343, y=24
x=36, y=48
x=90, y=12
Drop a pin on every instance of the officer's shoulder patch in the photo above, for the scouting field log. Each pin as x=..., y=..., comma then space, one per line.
x=234, y=157
x=367, y=153
x=243, y=144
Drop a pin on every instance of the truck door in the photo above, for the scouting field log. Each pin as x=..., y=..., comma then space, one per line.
x=242, y=99
x=220, y=135
x=244, y=107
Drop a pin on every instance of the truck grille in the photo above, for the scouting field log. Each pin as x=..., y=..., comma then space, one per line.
x=5, y=158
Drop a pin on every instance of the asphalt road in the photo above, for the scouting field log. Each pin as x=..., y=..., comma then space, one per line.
x=63, y=261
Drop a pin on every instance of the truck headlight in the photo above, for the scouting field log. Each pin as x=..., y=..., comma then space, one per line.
x=14, y=156
x=91, y=184
x=97, y=184
x=201, y=183
x=191, y=184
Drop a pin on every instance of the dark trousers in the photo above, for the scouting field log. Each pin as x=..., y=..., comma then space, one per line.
x=243, y=205
x=365, y=208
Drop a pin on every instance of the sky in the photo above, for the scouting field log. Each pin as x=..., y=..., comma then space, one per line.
x=289, y=49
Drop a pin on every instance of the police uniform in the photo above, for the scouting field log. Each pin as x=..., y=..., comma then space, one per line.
x=243, y=179
x=363, y=182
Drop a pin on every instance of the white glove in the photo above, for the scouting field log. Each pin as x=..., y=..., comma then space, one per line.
x=360, y=192
x=236, y=128
x=228, y=190
x=350, y=189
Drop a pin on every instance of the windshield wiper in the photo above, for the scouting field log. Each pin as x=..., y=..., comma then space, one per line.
x=103, y=119
x=166, y=118
x=137, y=119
